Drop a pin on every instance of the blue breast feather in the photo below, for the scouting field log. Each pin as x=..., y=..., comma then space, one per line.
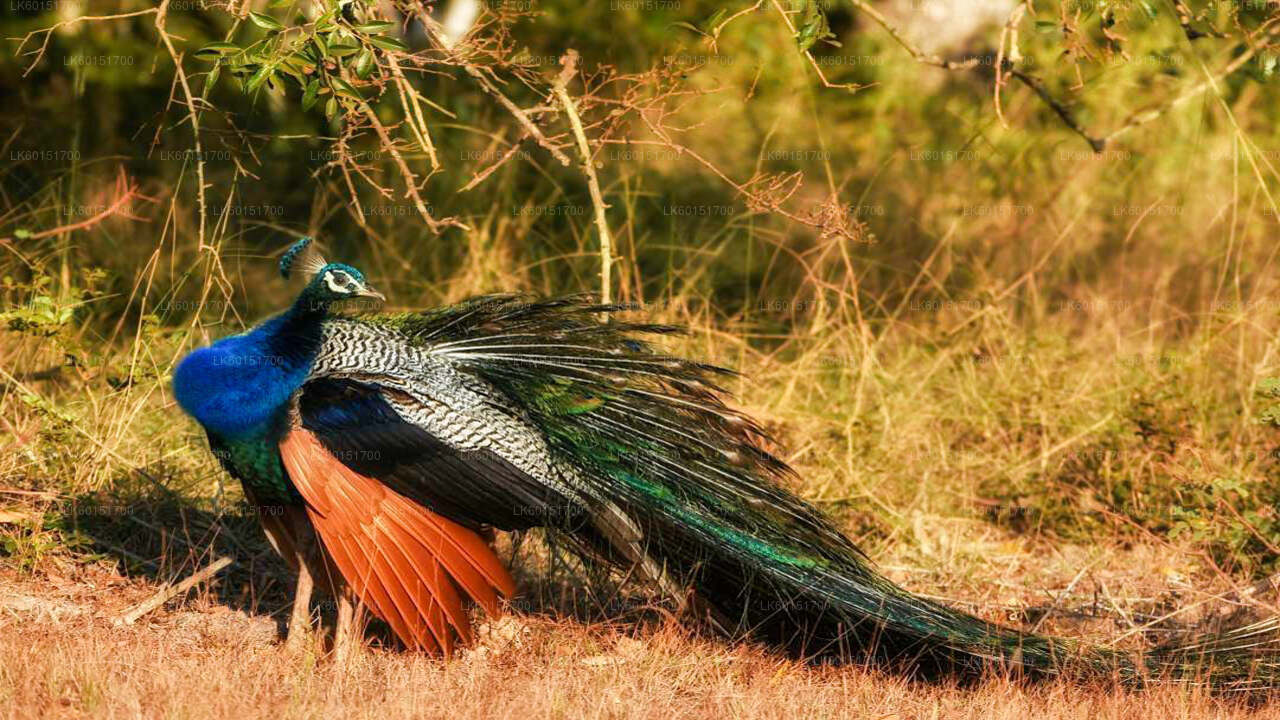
x=238, y=385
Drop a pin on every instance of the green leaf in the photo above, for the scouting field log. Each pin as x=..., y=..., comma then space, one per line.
x=310, y=52
x=264, y=73
x=280, y=3
x=344, y=88
x=213, y=76
x=807, y=36
x=814, y=27
x=266, y=22
x=687, y=26
x=712, y=22
x=331, y=108
x=375, y=28
x=22, y=233
x=309, y=96
x=292, y=70
x=812, y=32
x=325, y=21
x=364, y=65
x=213, y=51
x=302, y=62
x=341, y=50
x=388, y=43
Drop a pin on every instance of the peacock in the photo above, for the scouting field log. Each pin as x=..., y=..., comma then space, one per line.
x=382, y=448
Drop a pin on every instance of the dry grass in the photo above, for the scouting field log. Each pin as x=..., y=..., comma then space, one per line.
x=1033, y=398
x=958, y=466
x=60, y=657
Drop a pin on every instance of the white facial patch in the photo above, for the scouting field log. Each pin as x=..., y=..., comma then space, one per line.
x=332, y=282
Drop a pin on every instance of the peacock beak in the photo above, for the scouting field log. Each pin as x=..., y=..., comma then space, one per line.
x=368, y=292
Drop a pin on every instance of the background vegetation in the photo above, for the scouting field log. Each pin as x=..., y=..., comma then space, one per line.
x=1009, y=303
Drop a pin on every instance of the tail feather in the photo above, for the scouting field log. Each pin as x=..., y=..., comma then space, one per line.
x=649, y=434
x=409, y=565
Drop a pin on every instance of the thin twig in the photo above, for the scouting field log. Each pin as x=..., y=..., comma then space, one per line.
x=1068, y=117
x=570, y=63
x=437, y=33
x=809, y=56
x=168, y=592
x=826, y=223
x=1097, y=142
x=48, y=31
x=410, y=179
x=161, y=19
x=1057, y=602
x=930, y=59
x=127, y=191
x=917, y=53
x=1184, y=19
x=1010, y=30
x=1272, y=28
x=1249, y=526
x=485, y=173
x=410, y=99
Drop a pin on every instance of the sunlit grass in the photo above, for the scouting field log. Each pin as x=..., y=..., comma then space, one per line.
x=1034, y=395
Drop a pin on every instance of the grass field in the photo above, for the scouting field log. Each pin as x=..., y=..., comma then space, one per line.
x=1033, y=487
x=61, y=657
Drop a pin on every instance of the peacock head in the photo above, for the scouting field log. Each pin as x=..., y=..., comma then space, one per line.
x=328, y=283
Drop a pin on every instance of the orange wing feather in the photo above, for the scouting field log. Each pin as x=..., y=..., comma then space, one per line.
x=406, y=563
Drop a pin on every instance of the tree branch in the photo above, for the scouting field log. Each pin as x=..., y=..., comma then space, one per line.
x=570, y=63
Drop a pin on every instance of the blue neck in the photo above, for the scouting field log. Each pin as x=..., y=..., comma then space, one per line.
x=240, y=386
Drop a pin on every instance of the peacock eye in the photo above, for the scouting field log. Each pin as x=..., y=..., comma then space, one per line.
x=340, y=282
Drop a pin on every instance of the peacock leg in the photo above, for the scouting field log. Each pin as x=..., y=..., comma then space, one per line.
x=300, y=617
x=348, y=629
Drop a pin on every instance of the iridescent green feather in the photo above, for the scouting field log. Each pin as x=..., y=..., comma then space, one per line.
x=649, y=433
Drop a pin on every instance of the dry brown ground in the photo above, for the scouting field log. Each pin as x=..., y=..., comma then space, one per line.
x=62, y=657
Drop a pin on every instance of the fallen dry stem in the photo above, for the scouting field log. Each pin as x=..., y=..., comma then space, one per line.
x=167, y=593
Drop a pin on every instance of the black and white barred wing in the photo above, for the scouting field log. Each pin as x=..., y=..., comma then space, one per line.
x=392, y=411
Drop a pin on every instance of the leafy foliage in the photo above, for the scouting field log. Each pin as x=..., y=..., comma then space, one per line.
x=327, y=59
